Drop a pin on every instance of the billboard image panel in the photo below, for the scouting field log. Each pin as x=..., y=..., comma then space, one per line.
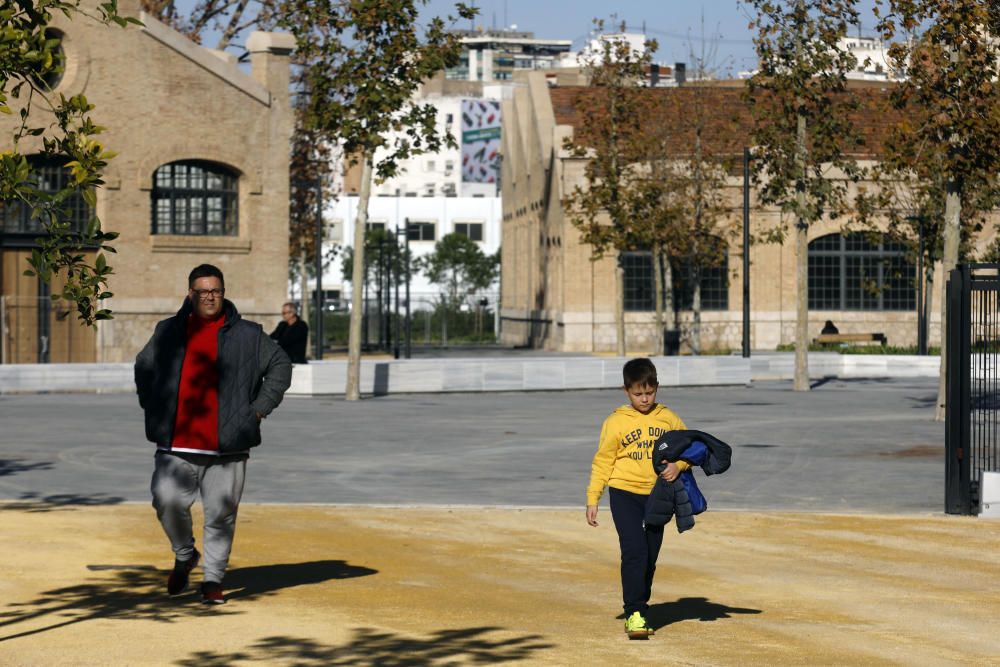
x=480, y=141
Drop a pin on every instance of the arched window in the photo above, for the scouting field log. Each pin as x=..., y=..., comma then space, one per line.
x=859, y=272
x=50, y=176
x=194, y=197
x=714, y=280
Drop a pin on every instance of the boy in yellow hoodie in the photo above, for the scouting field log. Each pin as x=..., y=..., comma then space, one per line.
x=623, y=463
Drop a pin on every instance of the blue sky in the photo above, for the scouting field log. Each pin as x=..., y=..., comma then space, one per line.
x=678, y=25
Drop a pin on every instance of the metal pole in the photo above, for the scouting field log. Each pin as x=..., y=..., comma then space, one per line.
x=318, y=324
x=746, y=252
x=379, y=271
x=921, y=329
x=409, y=322
x=3, y=329
x=395, y=269
x=364, y=304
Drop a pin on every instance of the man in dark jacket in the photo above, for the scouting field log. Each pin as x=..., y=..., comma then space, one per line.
x=291, y=334
x=205, y=380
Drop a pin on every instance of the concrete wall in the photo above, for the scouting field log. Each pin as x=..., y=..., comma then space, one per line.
x=495, y=374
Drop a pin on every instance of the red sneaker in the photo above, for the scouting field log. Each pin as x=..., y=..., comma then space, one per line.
x=177, y=582
x=211, y=593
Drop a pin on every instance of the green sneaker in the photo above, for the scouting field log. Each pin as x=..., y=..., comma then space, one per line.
x=636, y=628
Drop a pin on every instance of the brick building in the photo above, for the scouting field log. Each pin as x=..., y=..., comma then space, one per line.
x=201, y=175
x=555, y=297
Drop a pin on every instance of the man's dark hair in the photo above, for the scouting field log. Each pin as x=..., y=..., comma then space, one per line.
x=639, y=372
x=205, y=271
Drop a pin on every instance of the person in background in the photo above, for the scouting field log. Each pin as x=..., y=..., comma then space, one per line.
x=291, y=334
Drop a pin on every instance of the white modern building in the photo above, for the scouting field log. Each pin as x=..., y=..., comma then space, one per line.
x=871, y=54
x=495, y=55
x=430, y=219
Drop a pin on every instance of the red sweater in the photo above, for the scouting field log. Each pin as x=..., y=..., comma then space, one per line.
x=197, y=426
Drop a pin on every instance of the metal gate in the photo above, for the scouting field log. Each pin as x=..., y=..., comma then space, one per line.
x=972, y=427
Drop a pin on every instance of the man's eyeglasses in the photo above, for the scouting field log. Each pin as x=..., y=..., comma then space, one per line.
x=205, y=293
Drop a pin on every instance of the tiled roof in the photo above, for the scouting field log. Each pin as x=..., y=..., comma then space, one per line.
x=728, y=124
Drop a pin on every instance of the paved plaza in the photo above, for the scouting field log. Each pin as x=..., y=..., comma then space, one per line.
x=846, y=446
x=449, y=530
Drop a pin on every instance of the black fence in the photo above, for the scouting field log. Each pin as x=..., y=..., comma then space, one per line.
x=972, y=429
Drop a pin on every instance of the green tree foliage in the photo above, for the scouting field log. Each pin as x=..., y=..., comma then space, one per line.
x=950, y=141
x=67, y=135
x=610, y=137
x=803, y=133
x=459, y=267
x=382, y=252
x=362, y=62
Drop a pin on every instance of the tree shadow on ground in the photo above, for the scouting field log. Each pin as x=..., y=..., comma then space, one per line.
x=691, y=609
x=34, y=502
x=377, y=647
x=15, y=466
x=136, y=592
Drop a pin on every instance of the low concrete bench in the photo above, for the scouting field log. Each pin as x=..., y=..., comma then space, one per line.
x=837, y=338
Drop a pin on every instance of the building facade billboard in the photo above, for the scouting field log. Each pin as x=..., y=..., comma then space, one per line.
x=480, y=141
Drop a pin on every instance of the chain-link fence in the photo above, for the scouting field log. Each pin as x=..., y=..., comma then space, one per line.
x=431, y=323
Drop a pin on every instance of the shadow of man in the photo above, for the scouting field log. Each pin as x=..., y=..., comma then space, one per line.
x=250, y=582
x=133, y=592
x=691, y=609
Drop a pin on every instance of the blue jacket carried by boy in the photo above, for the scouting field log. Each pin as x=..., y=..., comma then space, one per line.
x=681, y=498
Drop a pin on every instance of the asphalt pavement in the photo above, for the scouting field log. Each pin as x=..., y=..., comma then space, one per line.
x=846, y=446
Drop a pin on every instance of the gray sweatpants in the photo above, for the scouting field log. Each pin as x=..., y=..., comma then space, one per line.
x=176, y=482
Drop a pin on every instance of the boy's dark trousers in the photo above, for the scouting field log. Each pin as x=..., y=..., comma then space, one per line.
x=640, y=547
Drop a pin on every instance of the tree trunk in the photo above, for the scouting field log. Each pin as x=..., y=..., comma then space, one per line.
x=949, y=258
x=928, y=301
x=699, y=206
x=303, y=289
x=658, y=296
x=620, y=308
x=352, y=389
x=668, y=288
x=801, y=382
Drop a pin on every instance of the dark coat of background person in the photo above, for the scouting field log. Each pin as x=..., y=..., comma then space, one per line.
x=292, y=339
x=246, y=355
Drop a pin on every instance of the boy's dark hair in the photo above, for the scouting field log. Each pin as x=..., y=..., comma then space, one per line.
x=640, y=372
x=205, y=271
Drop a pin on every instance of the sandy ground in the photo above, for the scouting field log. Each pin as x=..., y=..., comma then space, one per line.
x=315, y=586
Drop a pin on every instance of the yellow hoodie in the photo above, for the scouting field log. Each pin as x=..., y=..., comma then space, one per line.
x=624, y=455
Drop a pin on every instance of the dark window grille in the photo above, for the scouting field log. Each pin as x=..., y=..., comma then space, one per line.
x=472, y=230
x=421, y=231
x=640, y=288
x=195, y=198
x=859, y=272
x=50, y=177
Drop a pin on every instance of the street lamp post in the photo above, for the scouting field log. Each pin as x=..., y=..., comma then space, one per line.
x=405, y=232
x=746, y=252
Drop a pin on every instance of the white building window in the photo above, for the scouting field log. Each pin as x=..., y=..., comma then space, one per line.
x=472, y=230
x=421, y=230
